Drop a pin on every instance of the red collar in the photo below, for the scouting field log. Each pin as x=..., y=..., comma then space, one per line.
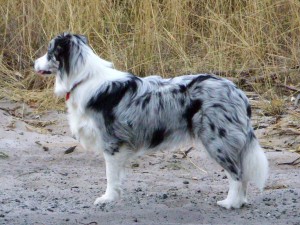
x=72, y=89
x=68, y=96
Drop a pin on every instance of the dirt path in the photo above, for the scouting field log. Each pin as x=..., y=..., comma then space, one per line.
x=40, y=184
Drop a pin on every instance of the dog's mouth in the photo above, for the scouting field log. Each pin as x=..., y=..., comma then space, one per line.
x=44, y=72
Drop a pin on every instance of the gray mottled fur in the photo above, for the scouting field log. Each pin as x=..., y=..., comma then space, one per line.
x=221, y=122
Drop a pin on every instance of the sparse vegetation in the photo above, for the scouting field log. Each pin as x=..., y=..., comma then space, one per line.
x=274, y=107
x=152, y=37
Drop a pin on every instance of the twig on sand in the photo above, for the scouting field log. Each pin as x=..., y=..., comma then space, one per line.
x=291, y=88
x=204, y=171
x=293, y=163
x=185, y=156
x=10, y=111
x=28, y=173
x=272, y=148
x=186, y=152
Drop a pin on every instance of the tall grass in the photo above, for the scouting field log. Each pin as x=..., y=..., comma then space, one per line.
x=166, y=37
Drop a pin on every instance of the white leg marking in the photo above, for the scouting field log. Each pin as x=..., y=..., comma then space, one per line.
x=237, y=194
x=115, y=168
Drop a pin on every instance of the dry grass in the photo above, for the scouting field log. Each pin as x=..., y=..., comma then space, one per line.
x=274, y=107
x=150, y=37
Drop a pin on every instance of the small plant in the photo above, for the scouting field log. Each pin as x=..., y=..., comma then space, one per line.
x=274, y=107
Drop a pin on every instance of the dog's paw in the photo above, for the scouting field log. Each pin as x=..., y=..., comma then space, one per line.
x=228, y=203
x=106, y=198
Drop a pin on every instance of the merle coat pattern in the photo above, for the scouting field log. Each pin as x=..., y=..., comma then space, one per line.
x=126, y=116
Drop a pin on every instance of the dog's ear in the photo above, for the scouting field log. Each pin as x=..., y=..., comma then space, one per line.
x=66, y=35
x=83, y=38
x=61, y=48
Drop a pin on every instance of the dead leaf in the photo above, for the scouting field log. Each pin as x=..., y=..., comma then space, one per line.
x=70, y=150
x=3, y=155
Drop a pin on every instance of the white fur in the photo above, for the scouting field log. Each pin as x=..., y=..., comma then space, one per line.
x=256, y=166
x=42, y=64
x=115, y=173
x=237, y=194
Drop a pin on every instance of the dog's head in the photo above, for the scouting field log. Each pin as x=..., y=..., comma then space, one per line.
x=63, y=51
x=70, y=57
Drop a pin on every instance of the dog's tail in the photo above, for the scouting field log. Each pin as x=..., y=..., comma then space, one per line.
x=255, y=165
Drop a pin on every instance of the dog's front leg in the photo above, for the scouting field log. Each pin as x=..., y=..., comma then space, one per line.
x=115, y=170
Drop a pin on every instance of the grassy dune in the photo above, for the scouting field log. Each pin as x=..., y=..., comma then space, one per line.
x=167, y=37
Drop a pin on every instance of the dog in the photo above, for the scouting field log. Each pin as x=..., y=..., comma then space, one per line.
x=125, y=116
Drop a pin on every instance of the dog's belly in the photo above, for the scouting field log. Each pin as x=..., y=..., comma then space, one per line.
x=85, y=131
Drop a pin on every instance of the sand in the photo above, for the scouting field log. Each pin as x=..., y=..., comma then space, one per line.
x=41, y=183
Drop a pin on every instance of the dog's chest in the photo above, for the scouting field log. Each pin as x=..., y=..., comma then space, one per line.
x=84, y=129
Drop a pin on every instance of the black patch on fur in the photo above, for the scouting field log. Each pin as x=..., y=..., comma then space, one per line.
x=232, y=169
x=179, y=92
x=61, y=51
x=229, y=161
x=218, y=105
x=106, y=100
x=113, y=148
x=161, y=104
x=222, y=132
x=182, y=88
x=158, y=137
x=221, y=159
x=249, y=112
x=219, y=150
x=146, y=101
x=212, y=126
x=235, y=117
x=201, y=78
x=181, y=101
x=190, y=111
x=228, y=118
x=175, y=91
x=137, y=102
x=129, y=123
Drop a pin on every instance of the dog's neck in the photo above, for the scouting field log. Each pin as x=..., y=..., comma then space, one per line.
x=94, y=69
x=72, y=89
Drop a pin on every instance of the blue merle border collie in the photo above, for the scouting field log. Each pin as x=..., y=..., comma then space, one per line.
x=125, y=116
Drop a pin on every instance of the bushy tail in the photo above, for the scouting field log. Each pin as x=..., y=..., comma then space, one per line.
x=255, y=163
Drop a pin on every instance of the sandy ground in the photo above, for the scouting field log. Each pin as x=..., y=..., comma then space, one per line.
x=41, y=184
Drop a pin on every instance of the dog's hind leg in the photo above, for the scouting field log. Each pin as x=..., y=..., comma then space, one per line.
x=255, y=169
x=115, y=171
x=224, y=142
x=237, y=194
